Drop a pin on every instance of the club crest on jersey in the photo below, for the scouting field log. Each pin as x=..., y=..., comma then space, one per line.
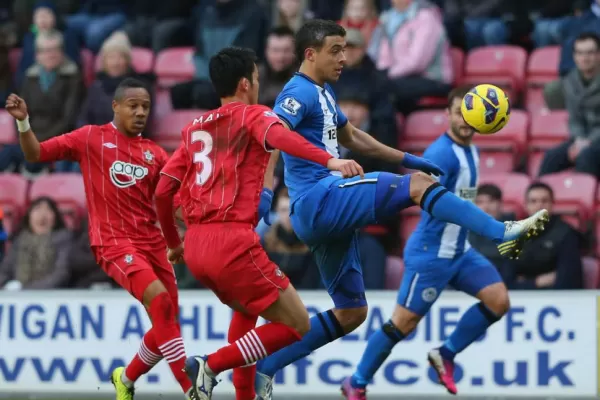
x=290, y=105
x=149, y=157
x=124, y=174
x=128, y=259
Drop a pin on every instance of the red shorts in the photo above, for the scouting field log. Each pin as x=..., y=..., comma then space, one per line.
x=135, y=268
x=228, y=259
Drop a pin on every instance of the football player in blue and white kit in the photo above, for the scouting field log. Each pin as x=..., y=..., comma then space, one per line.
x=438, y=254
x=326, y=210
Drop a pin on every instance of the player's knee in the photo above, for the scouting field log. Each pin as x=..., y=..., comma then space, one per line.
x=351, y=318
x=496, y=299
x=405, y=320
x=419, y=182
x=300, y=322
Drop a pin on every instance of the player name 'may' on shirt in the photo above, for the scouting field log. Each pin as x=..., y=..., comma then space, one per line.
x=221, y=164
x=461, y=164
x=120, y=175
x=310, y=110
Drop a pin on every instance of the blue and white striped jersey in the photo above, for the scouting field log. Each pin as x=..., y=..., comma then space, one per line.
x=461, y=164
x=310, y=110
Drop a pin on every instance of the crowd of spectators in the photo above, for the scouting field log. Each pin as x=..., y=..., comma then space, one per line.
x=399, y=53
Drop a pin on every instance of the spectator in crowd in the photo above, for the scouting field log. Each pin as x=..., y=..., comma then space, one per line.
x=550, y=19
x=480, y=21
x=589, y=21
x=279, y=65
x=286, y=250
x=45, y=19
x=489, y=199
x=551, y=260
x=38, y=257
x=8, y=38
x=334, y=9
x=361, y=15
x=361, y=77
x=240, y=23
x=582, y=97
x=290, y=13
x=97, y=19
x=23, y=12
x=159, y=24
x=411, y=44
x=85, y=272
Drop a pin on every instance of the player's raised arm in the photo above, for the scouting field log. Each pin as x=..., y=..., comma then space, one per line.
x=361, y=142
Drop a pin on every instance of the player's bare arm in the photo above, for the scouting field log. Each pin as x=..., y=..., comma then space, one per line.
x=164, y=195
x=17, y=108
x=361, y=142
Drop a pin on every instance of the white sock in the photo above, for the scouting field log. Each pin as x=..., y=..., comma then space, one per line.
x=126, y=381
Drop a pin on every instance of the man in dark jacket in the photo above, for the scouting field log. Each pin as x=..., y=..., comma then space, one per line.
x=279, y=65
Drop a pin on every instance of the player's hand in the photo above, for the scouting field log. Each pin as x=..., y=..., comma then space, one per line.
x=348, y=168
x=264, y=207
x=16, y=107
x=175, y=256
x=413, y=162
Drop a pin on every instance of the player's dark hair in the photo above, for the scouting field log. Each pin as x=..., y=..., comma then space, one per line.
x=457, y=93
x=228, y=67
x=281, y=31
x=540, y=185
x=128, y=83
x=489, y=189
x=589, y=36
x=313, y=34
x=59, y=222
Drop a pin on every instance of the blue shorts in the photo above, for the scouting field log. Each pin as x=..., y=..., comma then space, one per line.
x=326, y=218
x=426, y=276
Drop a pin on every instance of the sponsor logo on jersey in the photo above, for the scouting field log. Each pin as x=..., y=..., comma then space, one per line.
x=123, y=174
x=468, y=193
x=110, y=145
x=290, y=105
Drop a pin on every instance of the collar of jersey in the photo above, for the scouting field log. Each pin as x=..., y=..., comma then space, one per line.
x=308, y=78
x=117, y=129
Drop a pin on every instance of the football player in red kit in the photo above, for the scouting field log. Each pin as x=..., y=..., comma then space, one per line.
x=219, y=171
x=120, y=171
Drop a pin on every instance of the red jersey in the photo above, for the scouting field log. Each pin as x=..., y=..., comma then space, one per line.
x=221, y=163
x=120, y=175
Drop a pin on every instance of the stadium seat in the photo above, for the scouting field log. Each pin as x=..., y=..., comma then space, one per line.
x=400, y=122
x=8, y=128
x=458, y=65
x=13, y=198
x=513, y=186
x=68, y=192
x=142, y=60
x=167, y=130
x=548, y=130
x=503, y=66
x=534, y=100
x=422, y=128
x=494, y=162
x=591, y=273
x=162, y=104
x=174, y=65
x=542, y=66
x=394, y=269
x=574, y=196
x=14, y=57
x=512, y=138
x=534, y=162
x=87, y=66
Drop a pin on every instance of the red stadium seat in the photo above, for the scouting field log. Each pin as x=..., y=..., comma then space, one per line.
x=167, y=130
x=591, y=273
x=574, y=195
x=548, y=130
x=512, y=138
x=142, y=60
x=496, y=162
x=174, y=65
x=8, y=128
x=400, y=121
x=534, y=162
x=162, y=103
x=13, y=198
x=513, y=186
x=543, y=66
x=534, y=101
x=68, y=192
x=394, y=269
x=14, y=57
x=458, y=63
x=503, y=66
x=87, y=66
x=422, y=128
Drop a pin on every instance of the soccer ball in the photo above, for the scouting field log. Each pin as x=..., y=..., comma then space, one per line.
x=486, y=109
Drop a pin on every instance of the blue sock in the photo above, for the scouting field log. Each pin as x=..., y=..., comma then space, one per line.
x=446, y=206
x=324, y=328
x=378, y=349
x=473, y=324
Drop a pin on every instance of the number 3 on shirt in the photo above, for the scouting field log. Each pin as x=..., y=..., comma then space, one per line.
x=201, y=157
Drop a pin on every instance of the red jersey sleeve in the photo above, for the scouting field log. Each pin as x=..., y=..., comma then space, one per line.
x=259, y=119
x=69, y=146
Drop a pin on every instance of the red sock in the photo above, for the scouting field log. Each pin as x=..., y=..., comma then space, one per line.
x=243, y=377
x=254, y=346
x=166, y=331
x=147, y=357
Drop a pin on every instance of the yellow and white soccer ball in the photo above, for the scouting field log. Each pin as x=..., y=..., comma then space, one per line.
x=486, y=108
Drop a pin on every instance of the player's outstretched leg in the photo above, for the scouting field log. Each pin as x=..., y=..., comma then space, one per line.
x=243, y=377
x=289, y=322
x=124, y=378
x=393, y=191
